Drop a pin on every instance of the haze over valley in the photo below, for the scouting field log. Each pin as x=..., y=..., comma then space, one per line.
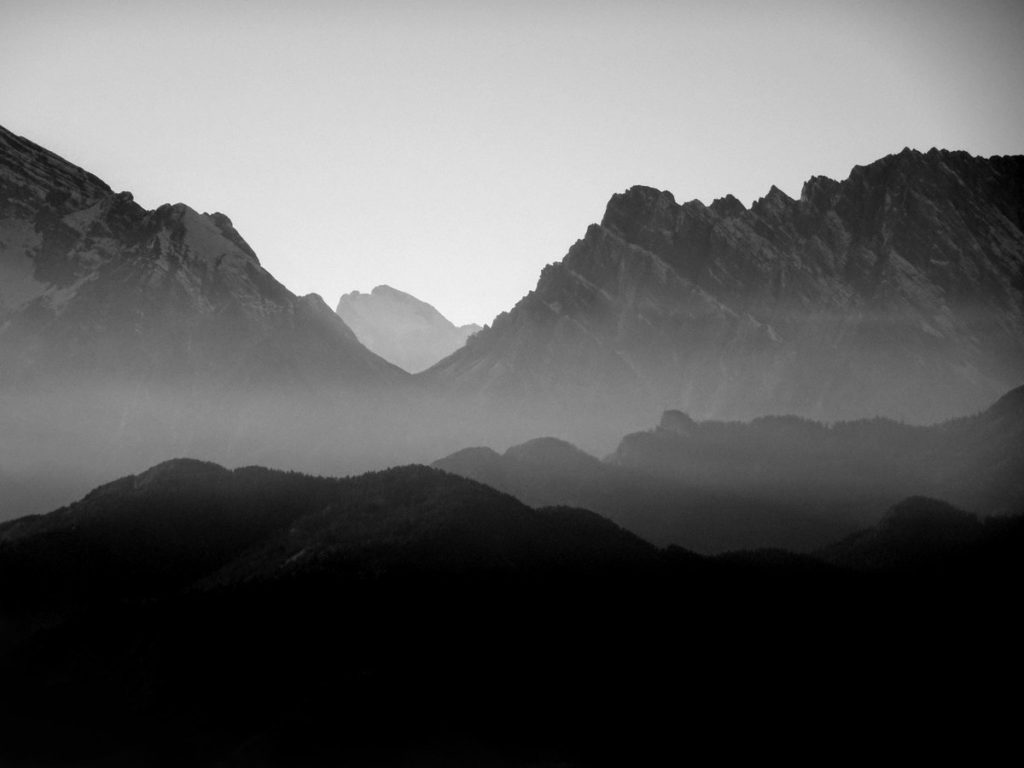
x=835, y=382
x=511, y=385
x=133, y=336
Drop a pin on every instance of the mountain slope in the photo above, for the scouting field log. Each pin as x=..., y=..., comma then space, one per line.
x=129, y=336
x=192, y=615
x=184, y=523
x=95, y=287
x=897, y=292
x=401, y=328
x=913, y=534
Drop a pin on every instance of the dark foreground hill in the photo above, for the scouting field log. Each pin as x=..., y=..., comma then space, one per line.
x=185, y=523
x=195, y=615
x=784, y=482
x=921, y=535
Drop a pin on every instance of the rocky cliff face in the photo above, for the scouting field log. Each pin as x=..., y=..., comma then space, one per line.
x=402, y=329
x=897, y=292
x=92, y=286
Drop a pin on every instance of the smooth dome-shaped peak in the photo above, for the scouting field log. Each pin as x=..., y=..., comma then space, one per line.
x=676, y=421
x=549, y=451
x=180, y=470
x=921, y=516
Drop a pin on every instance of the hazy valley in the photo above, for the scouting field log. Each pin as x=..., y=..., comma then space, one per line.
x=130, y=337
x=716, y=449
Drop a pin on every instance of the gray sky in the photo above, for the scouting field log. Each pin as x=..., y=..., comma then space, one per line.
x=451, y=149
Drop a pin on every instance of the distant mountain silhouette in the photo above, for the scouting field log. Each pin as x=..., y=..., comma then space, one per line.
x=772, y=482
x=921, y=536
x=401, y=328
x=895, y=293
x=660, y=509
x=912, y=533
x=975, y=462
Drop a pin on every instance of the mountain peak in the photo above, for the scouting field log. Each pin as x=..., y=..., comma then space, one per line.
x=727, y=206
x=95, y=286
x=400, y=327
x=837, y=306
x=776, y=200
x=676, y=421
x=386, y=290
x=818, y=189
x=637, y=202
x=913, y=534
x=1010, y=403
x=175, y=471
x=919, y=515
x=549, y=451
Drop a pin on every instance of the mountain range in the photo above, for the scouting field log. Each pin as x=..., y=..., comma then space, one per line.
x=897, y=292
x=818, y=547
x=783, y=482
x=130, y=336
x=400, y=328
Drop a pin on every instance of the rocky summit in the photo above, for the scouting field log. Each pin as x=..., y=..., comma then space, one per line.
x=898, y=292
x=92, y=286
x=400, y=328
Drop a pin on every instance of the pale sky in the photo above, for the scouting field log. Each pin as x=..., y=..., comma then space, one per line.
x=451, y=149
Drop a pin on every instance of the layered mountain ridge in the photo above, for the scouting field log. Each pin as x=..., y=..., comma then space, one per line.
x=207, y=611
x=776, y=481
x=897, y=292
x=129, y=336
